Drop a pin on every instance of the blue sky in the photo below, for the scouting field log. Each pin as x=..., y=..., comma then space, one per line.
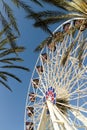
x=12, y=105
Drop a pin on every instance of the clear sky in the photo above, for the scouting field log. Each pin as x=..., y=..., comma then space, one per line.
x=12, y=105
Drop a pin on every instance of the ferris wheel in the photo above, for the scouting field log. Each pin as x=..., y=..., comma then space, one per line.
x=57, y=94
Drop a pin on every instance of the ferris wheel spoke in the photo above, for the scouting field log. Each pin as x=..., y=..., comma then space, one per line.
x=81, y=117
x=43, y=120
x=72, y=107
x=77, y=76
x=80, y=97
x=63, y=118
x=81, y=89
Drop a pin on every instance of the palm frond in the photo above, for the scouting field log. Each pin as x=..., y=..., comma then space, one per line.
x=4, y=84
x=43, y=44
x=10, y=60
x=37, y=2
x=56, y=19
x=63, y=4
x=10, y=51
x=23, y=5
x=69, y=48
x=62, y=108
x=80, y=52
x=4, y=22
x=15, y=66
x=10, y=15
x=78, y=6
x=37, y=18
x=5, y=29
x=3, y=77
x=8, y=32
x=11, y=75
x=6, y=40
x=45, y=14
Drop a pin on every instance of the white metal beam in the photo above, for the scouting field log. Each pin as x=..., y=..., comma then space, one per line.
x=42, y=122
x=63, y=118
x=52, y=116
x=80, y=116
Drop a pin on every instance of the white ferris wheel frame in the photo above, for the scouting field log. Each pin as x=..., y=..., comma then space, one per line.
x=58, y=119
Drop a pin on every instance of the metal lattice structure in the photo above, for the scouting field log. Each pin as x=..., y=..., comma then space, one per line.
x=57, y=94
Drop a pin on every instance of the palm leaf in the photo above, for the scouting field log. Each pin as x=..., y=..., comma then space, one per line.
x=70, y=47
x=45, y=14
x=9, y=60
x=3, y=77
x=11, y=75
x=62, y=108
x=10, y=51
x=63, y=4
x=43, y=44
x=56, y=19
x=15, y=66
x=23, y=5
x=77, y=7
x=6, y=40
x=4, y=84
x=37, y=2
x=37, y=18
x=4, y=23
x=10, y=15
x=5, y=29
x=80, y=52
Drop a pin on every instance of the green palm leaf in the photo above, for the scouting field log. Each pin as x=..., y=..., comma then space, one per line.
x=10, y=15
x=43, y=44
x=5, y=29
x=37, y=2
x=3, y=77
x=15, y=66
x=80, y=52
x=11, y=51
x=56, y=19
x=6, y=41
x=11, y=75
x=4, y=84
x=23, y=5
x=10, y=60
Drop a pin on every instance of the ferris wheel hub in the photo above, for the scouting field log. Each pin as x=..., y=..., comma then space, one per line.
x=50, y=95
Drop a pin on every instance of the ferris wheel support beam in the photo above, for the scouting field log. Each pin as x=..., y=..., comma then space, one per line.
x=52, y=115
x=63, y=118
x=42, y=122
x=81, y=117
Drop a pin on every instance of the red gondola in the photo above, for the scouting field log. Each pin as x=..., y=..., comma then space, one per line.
x=39, y=69
x=78, y=23
x=32, y=97
x=35, y=83
x=44, y=57
x=30, y=111
x=66, y=27
x=29, y=126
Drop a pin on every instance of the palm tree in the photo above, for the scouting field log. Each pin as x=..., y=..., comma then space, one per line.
x=8, y=59
x=70, y=9
x=7, y=15
x=8, y=39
